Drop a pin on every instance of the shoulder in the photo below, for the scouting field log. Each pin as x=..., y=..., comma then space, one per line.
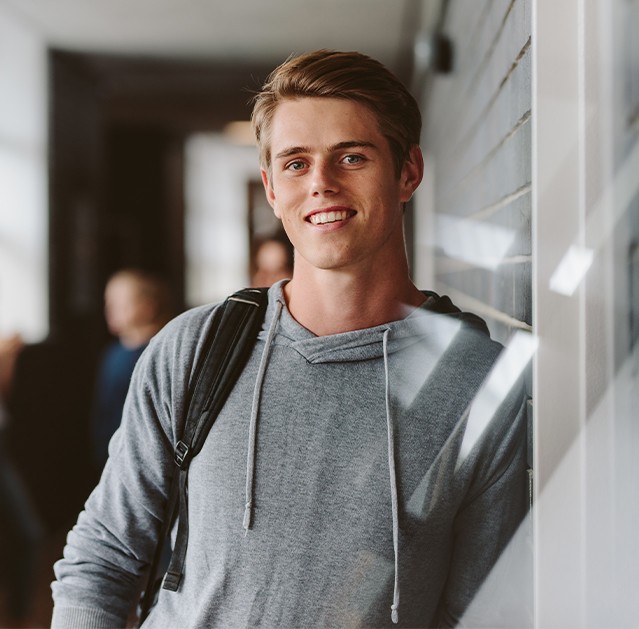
x=472, y=337
x=179, y=344
x=186, y=325
x=175, y=347
x=163, y=374
x=442, y=304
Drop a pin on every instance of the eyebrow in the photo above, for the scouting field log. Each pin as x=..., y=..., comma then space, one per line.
x=340, y=146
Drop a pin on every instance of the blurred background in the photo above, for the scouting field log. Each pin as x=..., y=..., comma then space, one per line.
x=124, y=144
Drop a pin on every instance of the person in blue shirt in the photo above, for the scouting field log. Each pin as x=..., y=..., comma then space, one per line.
x=137, y=305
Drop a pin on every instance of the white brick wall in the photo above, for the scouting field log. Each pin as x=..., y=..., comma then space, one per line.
x=477, y=138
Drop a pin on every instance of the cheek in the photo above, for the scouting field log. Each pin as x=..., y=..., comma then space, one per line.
x=284, y=202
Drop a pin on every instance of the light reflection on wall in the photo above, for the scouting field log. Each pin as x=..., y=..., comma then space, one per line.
x=582, y=526
x=23, y=168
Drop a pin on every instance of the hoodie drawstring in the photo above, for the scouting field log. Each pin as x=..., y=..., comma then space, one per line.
x=393, y=481
x=255, y=406
x=250, y=461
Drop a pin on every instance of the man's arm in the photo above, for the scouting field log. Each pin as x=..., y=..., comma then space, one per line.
x=108, y=550
x=494, y=509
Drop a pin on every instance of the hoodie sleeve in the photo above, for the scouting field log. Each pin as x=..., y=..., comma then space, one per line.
x=98, y=579
x=494, y=508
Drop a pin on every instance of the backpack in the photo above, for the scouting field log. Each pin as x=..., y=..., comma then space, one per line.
x=226, y=349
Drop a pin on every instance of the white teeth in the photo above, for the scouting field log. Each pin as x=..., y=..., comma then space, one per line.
x=329, y=217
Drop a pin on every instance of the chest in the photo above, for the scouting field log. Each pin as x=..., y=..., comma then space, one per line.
x=322, y=442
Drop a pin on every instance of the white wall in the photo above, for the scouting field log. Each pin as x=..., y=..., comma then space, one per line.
x=473, y=211
x=568, y=103
x=585, y=202
x=23, y=179
x=216, y=215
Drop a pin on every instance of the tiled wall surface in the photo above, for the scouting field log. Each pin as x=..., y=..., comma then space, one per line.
x=477, y=141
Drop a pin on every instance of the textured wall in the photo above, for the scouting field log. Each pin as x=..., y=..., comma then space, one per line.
x=624, y=85
x=477, y=141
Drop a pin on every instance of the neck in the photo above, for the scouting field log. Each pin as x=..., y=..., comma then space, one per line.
x=138, y=336
x=331, y=302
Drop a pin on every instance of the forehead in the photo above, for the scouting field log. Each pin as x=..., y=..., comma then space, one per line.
x=310, y=120
x=122, y=285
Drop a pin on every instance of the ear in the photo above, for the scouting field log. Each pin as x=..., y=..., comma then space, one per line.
x=412, y=173
x=270, y=193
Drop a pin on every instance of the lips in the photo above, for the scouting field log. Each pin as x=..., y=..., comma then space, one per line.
x=330, y=215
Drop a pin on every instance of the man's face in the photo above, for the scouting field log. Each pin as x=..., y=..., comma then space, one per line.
x=333, y=184
x=125, y=308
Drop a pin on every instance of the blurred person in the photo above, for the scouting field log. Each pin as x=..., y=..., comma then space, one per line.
x=10, y=348
x=338, y=475
x=273, y=261
x=137, y=305
x=21, y=530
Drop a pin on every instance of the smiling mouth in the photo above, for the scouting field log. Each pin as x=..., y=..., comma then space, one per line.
x=331, y=216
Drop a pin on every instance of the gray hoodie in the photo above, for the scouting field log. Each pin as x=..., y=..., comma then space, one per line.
x=331, y=491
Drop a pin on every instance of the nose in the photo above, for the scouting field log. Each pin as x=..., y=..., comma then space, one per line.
x=324, y=179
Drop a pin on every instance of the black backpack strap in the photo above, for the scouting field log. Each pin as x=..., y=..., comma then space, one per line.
x=228, y=345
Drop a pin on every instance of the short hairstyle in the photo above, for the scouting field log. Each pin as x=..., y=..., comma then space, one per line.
x=149, y=287
x=347, y=75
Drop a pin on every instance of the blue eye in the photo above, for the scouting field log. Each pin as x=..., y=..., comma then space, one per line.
x=296, y=165
x=353, y=159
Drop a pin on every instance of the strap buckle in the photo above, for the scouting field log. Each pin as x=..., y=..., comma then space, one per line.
x=180, y=453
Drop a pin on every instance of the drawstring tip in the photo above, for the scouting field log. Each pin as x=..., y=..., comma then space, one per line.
x=247, y=519
x=395, y=616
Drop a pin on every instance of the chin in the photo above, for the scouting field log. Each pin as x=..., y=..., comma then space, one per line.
x=331, y=262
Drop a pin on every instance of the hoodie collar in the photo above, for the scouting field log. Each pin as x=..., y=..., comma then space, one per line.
x=421, y=325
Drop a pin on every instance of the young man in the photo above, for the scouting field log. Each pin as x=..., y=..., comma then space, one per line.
x=333, y=489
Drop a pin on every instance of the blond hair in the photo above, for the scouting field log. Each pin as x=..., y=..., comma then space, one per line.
x=346, y=75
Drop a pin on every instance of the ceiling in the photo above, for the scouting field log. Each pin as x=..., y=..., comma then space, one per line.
x=261, y=31
x=192, y=64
